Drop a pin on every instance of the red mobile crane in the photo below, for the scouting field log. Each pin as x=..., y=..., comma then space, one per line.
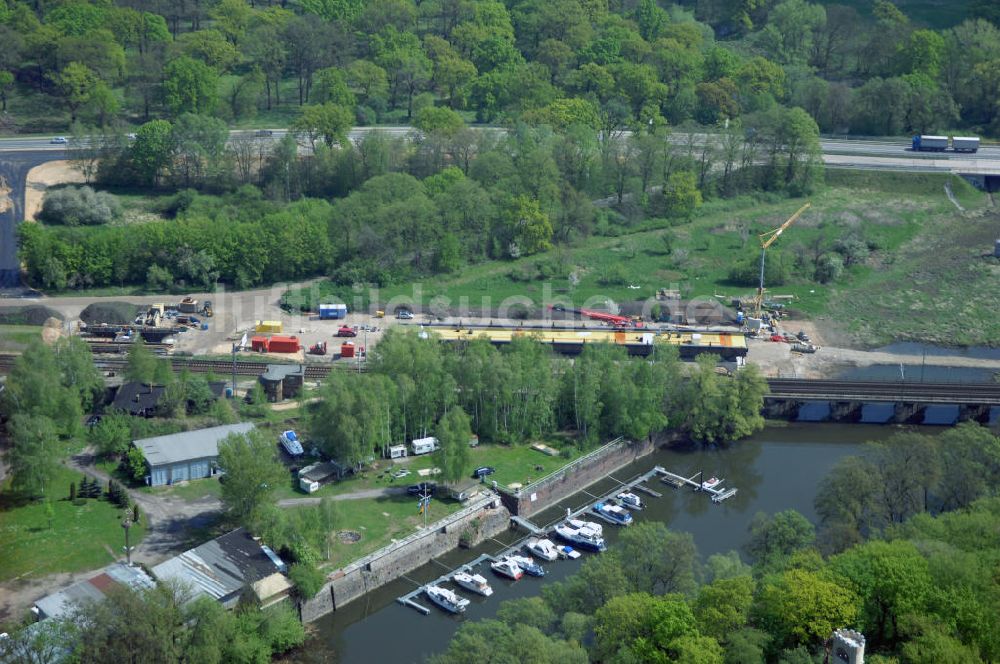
x=613, y=319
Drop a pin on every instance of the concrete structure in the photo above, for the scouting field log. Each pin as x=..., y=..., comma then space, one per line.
x=481, y=520
x=189, y=455
x=848, y=647
x=582, y=472
x=282, y=381
x=62, y=603
x=226, y=567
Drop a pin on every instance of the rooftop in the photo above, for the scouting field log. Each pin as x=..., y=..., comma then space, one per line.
x=276, y=372
x=64, y=601
x=187, y=445
x=222, y=567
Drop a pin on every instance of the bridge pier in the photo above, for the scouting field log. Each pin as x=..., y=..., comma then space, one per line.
x=974, y=412
x=908, y=412
x=849, y=411
x=782, y=409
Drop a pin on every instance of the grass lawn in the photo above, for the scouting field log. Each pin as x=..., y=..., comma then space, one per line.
x=81, y=537
x=514, y=464
x=381, y=520
x=907, y=218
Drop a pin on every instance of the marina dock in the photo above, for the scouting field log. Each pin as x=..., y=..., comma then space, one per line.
x=718, y=494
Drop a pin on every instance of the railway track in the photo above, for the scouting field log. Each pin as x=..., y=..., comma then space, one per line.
x=845, y=390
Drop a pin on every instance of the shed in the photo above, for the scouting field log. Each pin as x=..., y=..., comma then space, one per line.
x=63, y=602
x=227, y=566
x=189, y=455
x=328, y=311
x=282, y=381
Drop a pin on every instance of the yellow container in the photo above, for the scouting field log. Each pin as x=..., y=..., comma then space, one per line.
x=273, y=326
x=379, y=314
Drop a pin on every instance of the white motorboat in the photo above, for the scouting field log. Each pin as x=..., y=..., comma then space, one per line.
x=527, y=563
x=543, y=548
x=475, y=582
x=630, y=500
x=507, y=567
x=711, y=483
x=613, y=513
x=589, y=525
x=448, y=600
x=584, y=538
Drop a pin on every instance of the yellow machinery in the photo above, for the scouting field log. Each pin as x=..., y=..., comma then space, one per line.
x=766, y=240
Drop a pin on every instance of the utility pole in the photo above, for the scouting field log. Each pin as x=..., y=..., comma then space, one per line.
x=126, y=524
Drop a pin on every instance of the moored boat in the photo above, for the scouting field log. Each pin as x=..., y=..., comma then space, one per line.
x=630, y=500
x=613, y=513
x=448, y=600
x=711, y=483
x=507, y=567
x=543, y=548
x=589, y=525
x=528, y=564
x=582, y=537
x=475, y=582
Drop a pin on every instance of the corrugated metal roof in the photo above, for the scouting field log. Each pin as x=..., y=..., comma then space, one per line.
x=221, y=567
x=276, y=372
x=187, y=445
x=93, y=589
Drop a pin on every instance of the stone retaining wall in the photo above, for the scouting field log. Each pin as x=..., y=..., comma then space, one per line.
x=583, y=472
x=485, y=518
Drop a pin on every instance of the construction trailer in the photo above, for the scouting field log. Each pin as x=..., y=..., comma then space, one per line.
x=268, y=327
x=188, y=305
x=276, y=343
x=332, y=311
x=424, y=445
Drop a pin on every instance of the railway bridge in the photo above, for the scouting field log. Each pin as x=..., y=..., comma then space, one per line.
x=908, y=400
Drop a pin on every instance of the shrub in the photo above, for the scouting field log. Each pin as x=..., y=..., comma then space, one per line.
x=74, y=206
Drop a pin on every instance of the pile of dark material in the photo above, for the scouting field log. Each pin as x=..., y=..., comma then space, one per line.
x=33, y=314
x=112, y=313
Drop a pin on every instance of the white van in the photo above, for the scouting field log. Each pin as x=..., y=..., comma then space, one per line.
x=424, y=445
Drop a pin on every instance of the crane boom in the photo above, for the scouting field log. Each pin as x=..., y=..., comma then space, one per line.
x=767, y=239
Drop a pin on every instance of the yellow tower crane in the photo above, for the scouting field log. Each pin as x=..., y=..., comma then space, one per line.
x=766, y=240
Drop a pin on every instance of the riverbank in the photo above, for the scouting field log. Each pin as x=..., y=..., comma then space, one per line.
x=777, y=469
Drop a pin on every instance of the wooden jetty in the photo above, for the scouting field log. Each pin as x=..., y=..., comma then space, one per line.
x=718, y=492
x=528, y=525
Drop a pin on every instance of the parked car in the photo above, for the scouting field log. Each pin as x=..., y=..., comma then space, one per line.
x=59, y=140
x=483, y=471
x=422, y=488
x=93, y=420
x=404, y=314
x=264, y=132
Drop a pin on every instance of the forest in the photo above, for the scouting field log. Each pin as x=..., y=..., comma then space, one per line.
x=867, y=68
x=596, y=112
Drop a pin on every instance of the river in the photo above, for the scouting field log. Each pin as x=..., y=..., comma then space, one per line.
x=777, y=469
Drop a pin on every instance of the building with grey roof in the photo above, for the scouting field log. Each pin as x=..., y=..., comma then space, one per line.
x=226, y=567
x=282, y=381
x=65, y=601
x=188, y=455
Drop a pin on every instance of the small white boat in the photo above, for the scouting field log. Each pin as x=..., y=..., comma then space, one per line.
x=630, y=500
x=566, y=551
x=589, y=525
x=543, y=548
x=475, y=582
x=448, y=600
x=613, y=513
x=508, y=568
x=527, y=563
x=711, y=483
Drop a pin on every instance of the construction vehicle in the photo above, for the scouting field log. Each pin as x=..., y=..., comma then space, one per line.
x=318, y=348
x=766, y=240
x=346, y=331
x=612, y=319
x=206, y=309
